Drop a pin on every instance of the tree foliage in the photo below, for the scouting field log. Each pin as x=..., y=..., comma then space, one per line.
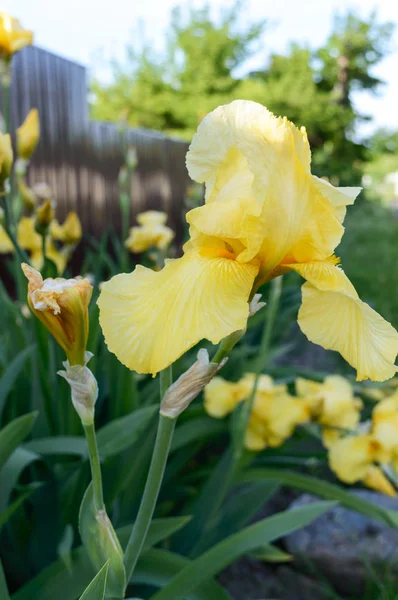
x=204, y=63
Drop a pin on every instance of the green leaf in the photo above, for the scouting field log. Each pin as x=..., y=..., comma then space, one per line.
x=237, y=511
x=122, y=433
x=207, y=504
x=197, y=429
x=322, y=489
x=57, y=582
x=10, y=510
x=4, y=595
x=64, y=548
x=96, y=588
x=68, y=444
x=221, y=555
x=13, y=434
x=11, y=472
x=102, y=544
x=271, y=553
x=11, y=373
x=158, y=567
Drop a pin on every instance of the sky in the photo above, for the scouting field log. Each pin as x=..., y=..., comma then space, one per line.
x=92, y=32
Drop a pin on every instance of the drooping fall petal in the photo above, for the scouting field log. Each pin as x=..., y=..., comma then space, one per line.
x=333, y=316
x=160, y=315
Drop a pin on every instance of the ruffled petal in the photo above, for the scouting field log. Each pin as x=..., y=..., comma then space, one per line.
x=339, y=197
x=233, y=222
x=333, y=316
x=150, y=319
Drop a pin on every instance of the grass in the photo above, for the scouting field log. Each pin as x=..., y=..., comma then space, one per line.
x=369, y=253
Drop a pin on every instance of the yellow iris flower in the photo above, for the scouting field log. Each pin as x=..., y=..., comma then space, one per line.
x=70, y=232
x=264, y=215
x=12, y=36
x=275, y=413
x=151, y=233
x=353, y=459
x=333, y=404
x=31, y=241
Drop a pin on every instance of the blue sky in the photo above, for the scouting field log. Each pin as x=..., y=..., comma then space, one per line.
x=93, y=31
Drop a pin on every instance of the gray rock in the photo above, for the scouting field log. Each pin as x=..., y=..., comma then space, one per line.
x=344, y=546
x=250, y=579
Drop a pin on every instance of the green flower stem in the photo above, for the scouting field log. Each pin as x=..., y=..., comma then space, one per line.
x=96, y=476
x=155, y=476
x=6, y=85
x=270, y=314
x=9, y=229
x=226, y=345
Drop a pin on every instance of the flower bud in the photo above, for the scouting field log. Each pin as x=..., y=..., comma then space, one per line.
x=181, y=393
x=84, y=389
x=62, y=306
x=29, y=198
x=131, y=157
x=44, y=216
x=6, y=157
x=28, y=135
x=42, y=190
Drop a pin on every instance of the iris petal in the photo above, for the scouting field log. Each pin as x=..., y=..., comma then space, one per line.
x=333, y=316
x=150, y=319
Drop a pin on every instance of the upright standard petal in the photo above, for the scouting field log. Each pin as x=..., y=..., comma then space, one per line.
x=150, y=319
x=233, y=222
x=333, y=316
x=339, y=197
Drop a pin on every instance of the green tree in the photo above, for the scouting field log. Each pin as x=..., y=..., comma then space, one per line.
x=173, y=92
x=203, y=66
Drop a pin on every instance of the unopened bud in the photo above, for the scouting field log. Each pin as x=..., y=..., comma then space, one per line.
x=84, y=389
x=131, y=157
x=28, y=197
x=43, y=191
x=62, y=306
x=187, y=387
x=6, y=157
x=44, y=216
x=28, y=135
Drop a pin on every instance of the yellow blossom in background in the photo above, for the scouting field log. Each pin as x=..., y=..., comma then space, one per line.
x=27, y=236
x=385, y=425
x=221, y=397
x=353, y=459
x=12, y=36
x=28, y=135
x=275, y=413
x=332, y=404
x=62, y=306
x=151, y=233
x=6, y=157
x=6, y=245
x=264, y=214
x=274, y=419
x=30, y=240
x=70, y=232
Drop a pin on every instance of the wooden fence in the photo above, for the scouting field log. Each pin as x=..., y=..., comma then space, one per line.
x=80, y=159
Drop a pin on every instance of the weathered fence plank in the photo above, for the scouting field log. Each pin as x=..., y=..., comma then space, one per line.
x=80, y=159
